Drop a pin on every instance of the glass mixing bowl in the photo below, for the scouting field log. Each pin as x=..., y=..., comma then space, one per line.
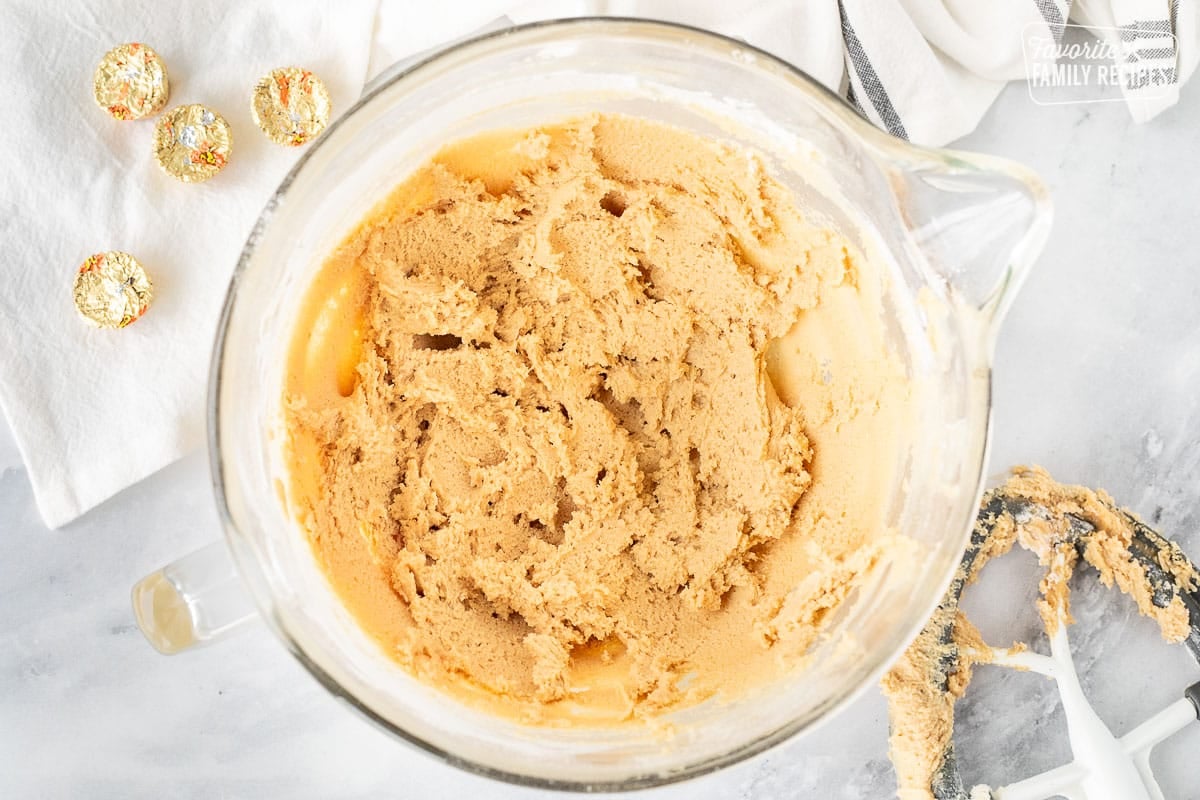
x=953, y=234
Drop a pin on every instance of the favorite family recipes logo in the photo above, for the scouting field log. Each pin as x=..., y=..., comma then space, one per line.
x=1074, y=64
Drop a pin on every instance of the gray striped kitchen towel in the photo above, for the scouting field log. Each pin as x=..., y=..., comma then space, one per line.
x=926, y=70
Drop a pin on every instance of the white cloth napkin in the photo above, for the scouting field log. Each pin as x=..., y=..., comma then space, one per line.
x=94, y=411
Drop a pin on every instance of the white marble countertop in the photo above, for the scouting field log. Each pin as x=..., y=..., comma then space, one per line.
x=1097, y=378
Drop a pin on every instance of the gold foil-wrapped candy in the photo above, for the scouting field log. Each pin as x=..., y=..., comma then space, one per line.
x=291, y=105
x=111, y=289
x=130, y=82
x=192, y=143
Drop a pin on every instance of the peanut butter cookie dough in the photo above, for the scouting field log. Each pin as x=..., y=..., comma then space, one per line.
x=589, y=421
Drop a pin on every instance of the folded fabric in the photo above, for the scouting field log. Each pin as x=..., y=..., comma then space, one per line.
x=926, y=70
x=93, y=411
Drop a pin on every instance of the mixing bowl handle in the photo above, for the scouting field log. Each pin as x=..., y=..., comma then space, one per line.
x=193, y=601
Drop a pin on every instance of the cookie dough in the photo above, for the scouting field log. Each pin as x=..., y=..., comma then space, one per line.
x=589, y=421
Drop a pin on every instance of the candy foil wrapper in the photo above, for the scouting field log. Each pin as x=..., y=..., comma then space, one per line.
x=112, y=289
x=291, y=105
x=192, y=143
x=130, y=82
